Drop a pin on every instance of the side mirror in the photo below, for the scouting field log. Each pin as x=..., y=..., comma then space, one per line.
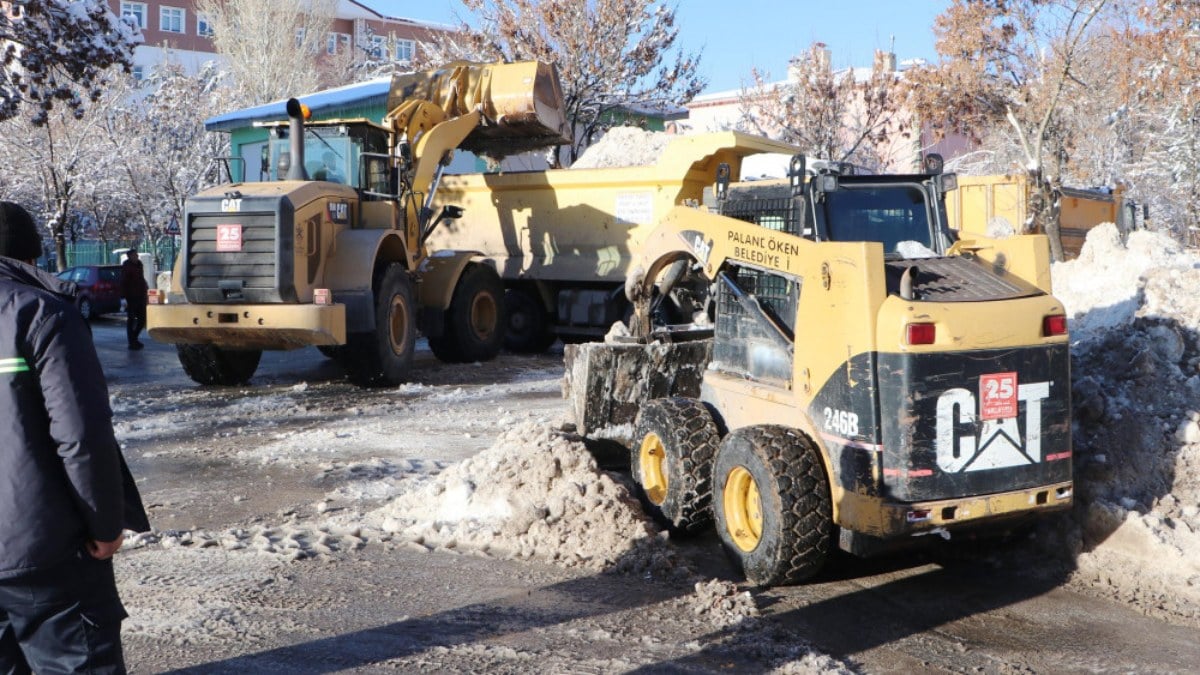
x=264, y=160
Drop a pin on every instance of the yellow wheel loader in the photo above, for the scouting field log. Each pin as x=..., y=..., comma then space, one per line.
x=870, y=381
x=335, y=252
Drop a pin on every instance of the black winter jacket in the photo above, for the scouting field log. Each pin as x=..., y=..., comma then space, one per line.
x=63, y=480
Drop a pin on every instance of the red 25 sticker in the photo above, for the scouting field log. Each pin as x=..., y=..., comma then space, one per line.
x=229, y=238
x=998, y=396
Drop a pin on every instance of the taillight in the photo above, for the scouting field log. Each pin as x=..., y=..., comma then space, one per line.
x=920, y=333
x=1055, y=324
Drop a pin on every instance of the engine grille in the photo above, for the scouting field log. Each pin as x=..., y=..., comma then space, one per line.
x=956, y=279
x=248, y=275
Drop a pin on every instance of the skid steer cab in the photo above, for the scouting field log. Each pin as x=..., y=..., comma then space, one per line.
x=871, y=383
x=331, y=249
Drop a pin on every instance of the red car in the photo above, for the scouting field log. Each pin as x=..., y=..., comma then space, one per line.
x=99, y=288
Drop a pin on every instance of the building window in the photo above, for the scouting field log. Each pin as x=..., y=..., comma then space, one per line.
x=135, y=11
x=203, y=27
x=300, y=33
x=337, y=43
x=378, y=47
x=170, y=19
x=139, y=73
x=404, y=50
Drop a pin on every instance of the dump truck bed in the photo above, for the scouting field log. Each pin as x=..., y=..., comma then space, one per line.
x=584, y=224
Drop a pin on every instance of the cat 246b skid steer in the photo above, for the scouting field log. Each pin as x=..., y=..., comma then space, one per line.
x=870, y=379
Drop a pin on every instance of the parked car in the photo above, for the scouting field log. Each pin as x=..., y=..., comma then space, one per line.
x=99, y=288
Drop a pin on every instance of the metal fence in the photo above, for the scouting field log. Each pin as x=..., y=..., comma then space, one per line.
x=162, y=252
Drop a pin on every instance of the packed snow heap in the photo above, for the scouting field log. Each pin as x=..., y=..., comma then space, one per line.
x=535, y=494
x=1134, y=309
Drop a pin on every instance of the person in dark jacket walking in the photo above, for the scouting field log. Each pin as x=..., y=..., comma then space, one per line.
x=66, y=494
x=133, y=289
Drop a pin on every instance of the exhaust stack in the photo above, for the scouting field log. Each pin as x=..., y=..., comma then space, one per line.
x=295, y=112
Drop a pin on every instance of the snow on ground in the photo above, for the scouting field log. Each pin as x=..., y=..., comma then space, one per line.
x=1134, y=309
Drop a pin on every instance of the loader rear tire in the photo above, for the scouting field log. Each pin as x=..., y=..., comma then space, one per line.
x=474, y=323
x=672, y=459
x=209, y=365
x=384, y=357
x=772, y=503
x=528, y=329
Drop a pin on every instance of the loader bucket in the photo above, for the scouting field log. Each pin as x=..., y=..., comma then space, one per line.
x=522, y=102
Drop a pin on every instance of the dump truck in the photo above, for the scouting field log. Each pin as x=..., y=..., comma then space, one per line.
x=981, y=202
x=335, y=253
x=563, y=239
x=872, y=380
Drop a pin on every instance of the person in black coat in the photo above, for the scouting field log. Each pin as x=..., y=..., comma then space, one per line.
x=133, y=289
x=66, y=494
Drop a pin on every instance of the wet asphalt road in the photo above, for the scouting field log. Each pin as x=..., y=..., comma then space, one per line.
x=453, y=613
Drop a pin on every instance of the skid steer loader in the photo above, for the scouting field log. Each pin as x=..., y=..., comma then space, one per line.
x=869, y=380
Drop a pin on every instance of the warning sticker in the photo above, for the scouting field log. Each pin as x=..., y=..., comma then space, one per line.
x=634, y=208
x=998, y=396
x=229, y=238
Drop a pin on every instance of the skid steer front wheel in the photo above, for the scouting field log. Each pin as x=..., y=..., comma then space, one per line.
x=675, y=440
x=474, y=323
x=208, y=364
x=772, y=502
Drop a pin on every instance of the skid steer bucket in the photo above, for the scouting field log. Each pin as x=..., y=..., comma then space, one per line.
x=522, y=102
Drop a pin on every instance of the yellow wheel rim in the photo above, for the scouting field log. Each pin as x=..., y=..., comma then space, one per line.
x=654, y=476
x=483, y=315
x=398, y=325
x=743, y=509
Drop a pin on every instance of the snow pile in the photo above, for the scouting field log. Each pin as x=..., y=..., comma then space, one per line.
x=535, y=494
x=624, y=146
x=1101, y=287
x=1135, y=327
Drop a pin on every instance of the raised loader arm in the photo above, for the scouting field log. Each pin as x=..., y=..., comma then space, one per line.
x=495, y=109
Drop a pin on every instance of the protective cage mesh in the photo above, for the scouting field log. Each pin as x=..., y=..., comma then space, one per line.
x=779, y=214
x=743, y=344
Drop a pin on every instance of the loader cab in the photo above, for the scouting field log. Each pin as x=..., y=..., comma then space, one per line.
x=350, y=152
x=907, y=214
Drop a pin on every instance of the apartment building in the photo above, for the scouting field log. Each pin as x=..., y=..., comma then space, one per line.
x=176, y=27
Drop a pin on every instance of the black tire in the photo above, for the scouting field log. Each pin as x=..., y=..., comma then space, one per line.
x=672, y=461
x=384, y=357
x=474, y=323
x=528, y=328
x=795, y=513
x=86, y=309
x=209, y=365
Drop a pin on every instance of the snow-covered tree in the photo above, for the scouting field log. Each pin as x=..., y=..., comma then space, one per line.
x=273, y=48
x=1010, y=62
x=829, y=114
x=158, y=146
x=57, y=52
x=610, y=54
x=54, y=160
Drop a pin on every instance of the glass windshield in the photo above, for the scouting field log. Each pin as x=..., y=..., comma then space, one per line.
x=328, y=155
x=888, y=214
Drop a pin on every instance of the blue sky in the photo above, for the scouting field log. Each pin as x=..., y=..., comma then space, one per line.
x=739, y=35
